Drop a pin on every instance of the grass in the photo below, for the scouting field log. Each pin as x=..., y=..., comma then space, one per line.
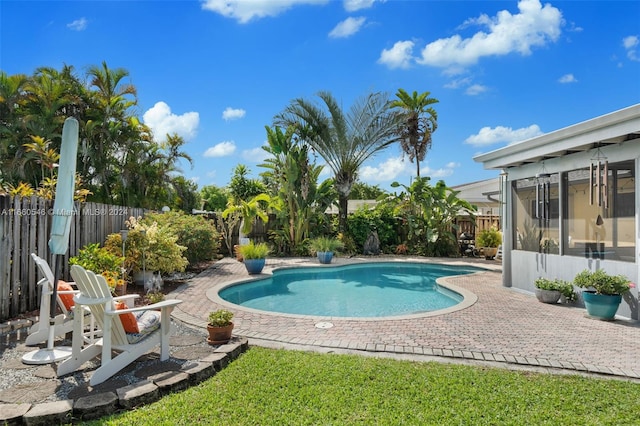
x=277, y=387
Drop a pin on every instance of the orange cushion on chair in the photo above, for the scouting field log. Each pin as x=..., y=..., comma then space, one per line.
x=67, y=299
x=129, y=322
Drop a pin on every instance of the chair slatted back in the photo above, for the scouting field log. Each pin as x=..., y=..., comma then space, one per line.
x=94, y=286
x=45, y=270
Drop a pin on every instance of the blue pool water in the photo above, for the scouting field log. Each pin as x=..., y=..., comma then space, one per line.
x=358, y=290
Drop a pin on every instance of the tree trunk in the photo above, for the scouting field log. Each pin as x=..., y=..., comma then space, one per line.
x=342, y=213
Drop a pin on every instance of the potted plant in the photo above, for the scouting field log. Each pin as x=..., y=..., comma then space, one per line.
x=219, y=326
x=550, y=291
x=324, y=247
x=489, y=240
x=254, y=256
x=603, y=292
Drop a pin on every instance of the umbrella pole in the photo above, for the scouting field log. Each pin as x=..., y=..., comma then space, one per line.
x=50, y=354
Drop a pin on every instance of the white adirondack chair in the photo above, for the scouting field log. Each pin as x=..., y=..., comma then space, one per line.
x=39, y=332
x=95, y=294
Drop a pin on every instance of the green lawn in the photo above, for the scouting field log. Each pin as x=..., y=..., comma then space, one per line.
x=278, y=387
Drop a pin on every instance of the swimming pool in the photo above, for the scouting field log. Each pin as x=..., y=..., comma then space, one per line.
x=358, y=290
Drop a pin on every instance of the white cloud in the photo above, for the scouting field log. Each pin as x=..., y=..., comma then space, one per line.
x=535, y=25
x=475, y=89
x=354, y=5
x=399, y=56
x=246, y=10
x=223, y=149
x=162, y=122
x=489, y=136
x=255, y=155
x=387, y=170
x=233, y=113
x=78, y=24
x=458, y=83
x=568, y=78
x=347, y=27
x=630, y=44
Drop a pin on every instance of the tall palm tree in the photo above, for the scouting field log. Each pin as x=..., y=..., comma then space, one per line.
x=419, y=121
x=109, y=129
x=344, y=141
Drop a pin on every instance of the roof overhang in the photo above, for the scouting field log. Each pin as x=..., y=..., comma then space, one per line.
x=610, y=129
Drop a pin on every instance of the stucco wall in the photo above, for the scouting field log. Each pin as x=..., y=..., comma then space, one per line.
x=565, y=267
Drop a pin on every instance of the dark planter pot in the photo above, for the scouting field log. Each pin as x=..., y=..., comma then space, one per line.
x=254, y=266
x=601, y=306
x=548, y=296
x=219, y=335
x=325, y=256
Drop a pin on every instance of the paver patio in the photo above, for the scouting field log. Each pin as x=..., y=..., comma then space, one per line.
x=503, y=326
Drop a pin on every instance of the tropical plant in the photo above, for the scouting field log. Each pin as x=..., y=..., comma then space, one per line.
x=254, y=251
x=429, y=213
x=220, y=318
x=255, y=208
x=295, y=182
x=489, y=237
x=344, y=141
x=151, y=247
x=603, y=283
x=417, y=123
x=325, y=244
x=121, y=162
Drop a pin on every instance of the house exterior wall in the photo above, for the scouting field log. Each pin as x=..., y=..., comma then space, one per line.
x=556, y=153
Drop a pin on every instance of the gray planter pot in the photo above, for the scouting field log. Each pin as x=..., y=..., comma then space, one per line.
x=548, y=296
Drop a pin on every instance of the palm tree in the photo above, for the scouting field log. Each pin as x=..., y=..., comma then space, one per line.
x=109, y=129
x=418, y=123
x=344, y=141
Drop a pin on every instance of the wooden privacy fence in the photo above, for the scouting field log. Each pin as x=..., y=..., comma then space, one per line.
x=24, y=229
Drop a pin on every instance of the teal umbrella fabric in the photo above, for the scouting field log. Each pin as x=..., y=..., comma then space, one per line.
x=65, y=188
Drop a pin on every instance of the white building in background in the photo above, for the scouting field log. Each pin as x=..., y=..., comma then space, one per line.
x=570, y=202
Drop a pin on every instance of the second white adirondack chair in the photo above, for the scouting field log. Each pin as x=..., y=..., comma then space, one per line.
x=154, y=330
x=39, y=332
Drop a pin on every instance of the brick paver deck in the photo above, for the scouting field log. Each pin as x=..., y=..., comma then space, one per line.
x=503, y=326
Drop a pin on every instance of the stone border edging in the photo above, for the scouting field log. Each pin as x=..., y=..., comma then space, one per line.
x=141, y=393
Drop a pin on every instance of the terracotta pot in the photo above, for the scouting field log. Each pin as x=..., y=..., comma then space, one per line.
x=121, y=290
x=219, y=335
x=236, y=250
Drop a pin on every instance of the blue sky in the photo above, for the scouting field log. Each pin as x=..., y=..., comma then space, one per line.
x=216, y=72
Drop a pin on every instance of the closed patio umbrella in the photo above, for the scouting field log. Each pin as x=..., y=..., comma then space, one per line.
x=59, y=237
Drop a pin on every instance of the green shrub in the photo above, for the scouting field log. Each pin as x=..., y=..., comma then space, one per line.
x=381, y=219
x=152, y=247
x=97, y=259
x=196, y=233
x=489, y=238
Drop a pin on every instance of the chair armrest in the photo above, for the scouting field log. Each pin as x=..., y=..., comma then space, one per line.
x=159, y=305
